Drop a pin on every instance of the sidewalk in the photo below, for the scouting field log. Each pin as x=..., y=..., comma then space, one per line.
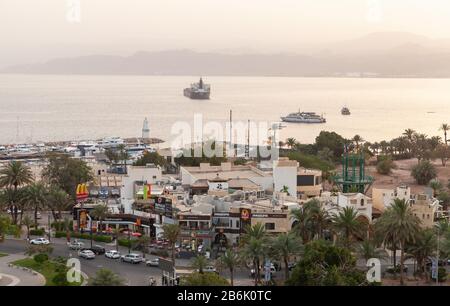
x=11, y=276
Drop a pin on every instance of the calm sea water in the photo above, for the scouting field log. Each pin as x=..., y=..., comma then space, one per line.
x=52, y=108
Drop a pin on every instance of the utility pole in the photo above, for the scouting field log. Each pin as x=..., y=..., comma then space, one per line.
x=437, y=259
x=49, y=227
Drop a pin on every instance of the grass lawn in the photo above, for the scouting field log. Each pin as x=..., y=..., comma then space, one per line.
x=3, y=254
x=47, y=269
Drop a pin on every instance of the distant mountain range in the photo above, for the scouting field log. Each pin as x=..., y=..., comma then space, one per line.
x=387, y=54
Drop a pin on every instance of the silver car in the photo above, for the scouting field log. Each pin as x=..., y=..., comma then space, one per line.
x=87, y=254
x=132, y=258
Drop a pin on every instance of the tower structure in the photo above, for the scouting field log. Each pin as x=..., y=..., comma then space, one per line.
x=145, y=129
x=353, y=177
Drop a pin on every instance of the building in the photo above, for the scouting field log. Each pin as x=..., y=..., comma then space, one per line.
x=383, y=198
x=298, y=181
x=133, y=183
x=426, y=209
x=334, y=203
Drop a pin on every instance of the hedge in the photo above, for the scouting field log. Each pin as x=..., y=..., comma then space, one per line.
x=87, y=236
x=37, y=232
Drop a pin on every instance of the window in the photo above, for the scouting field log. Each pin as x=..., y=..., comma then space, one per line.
x=270, y=226
x=362, y=202
x=305, y=180
x=237, y=224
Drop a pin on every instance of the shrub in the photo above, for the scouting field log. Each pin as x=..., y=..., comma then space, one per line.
x=37, y=232
x=204, y=279
x=60, y=234
x=424, y=172
x=40, y=258
x=385, y=166
x=442, y=275
x=125, y=242
x=87, y=236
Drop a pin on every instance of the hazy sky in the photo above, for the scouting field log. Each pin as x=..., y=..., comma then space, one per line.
x=32, y=30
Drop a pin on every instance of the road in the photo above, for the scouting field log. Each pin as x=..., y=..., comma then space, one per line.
x=133, y=274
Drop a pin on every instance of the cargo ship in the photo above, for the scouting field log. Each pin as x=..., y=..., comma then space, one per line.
x=198, y=91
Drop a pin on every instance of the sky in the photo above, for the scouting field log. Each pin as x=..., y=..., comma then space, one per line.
x=36, y=30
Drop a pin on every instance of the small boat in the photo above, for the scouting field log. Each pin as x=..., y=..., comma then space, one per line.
x=304, y=117
x=198, y=91
x=345, y=111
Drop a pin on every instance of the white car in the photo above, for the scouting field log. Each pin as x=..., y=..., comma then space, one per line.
x=87, y=254
x=112, y=254
x=40, y=241
x=133, y=258
x=153, y=262
x=76, y=245
x=210, y=269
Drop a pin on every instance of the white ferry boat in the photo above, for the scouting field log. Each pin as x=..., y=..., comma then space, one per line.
x=304, y=117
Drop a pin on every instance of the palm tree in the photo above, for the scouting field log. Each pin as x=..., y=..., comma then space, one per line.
x=409, y=134
x=347, y=223
x=301, y=221
x=5, y=223
x=291, y=142
x=35, y=197
x=67, y=228
x=400, y=225
x=199, y=263
x=423, y=247
x=368, y=249
x=445, y=127
x=100, y=212
x=318, y=218
x=285, y=189
x=255, y=250
x=123, y=156
x=57, y=201
x=357, y=140
x=12, y=176
x=171, y=233
x=230, y=260
x=254, y=243
x=436, y=185
x=284, y=246
x=28, y=222
x=142, y=244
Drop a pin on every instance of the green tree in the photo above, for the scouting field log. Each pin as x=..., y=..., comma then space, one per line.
x=442, y=152
x=436, y=185
x=348, y=225
x=199, y=263
x=332, y=141
x=28, y=222
x=66, y=172
x=57, y=201
x=254, y=247
x=100, y=212
x=151, y=158
x=326, y=265
x=399, y=222
x=368, y=249
x=12, y=176
x=5, y=223
x=142, y=244
x=284, y=246
x=230, y=260
x=105, y=277
x=291, y=142
x=424, y=172
x=445, y=128
x=385, y=166
x=171, y=233
x=35, y=197
x=423, y=247
x=357, y=140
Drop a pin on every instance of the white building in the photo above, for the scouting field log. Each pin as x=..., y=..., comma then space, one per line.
x=360, y=202
x=133, y=181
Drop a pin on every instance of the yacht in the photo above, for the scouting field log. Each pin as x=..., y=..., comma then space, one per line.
x=304, y=117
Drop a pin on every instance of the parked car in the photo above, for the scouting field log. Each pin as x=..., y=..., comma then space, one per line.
x=87, y=254
x=262, y=271
x=210, y=269
x=112, y=254
x=152, y=262
x=392, y=270
x=40, y=241
x=132, y=258
x=97, y=249
x=76, y=245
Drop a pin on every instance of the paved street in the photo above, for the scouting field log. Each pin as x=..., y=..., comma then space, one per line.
x=134, y=274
